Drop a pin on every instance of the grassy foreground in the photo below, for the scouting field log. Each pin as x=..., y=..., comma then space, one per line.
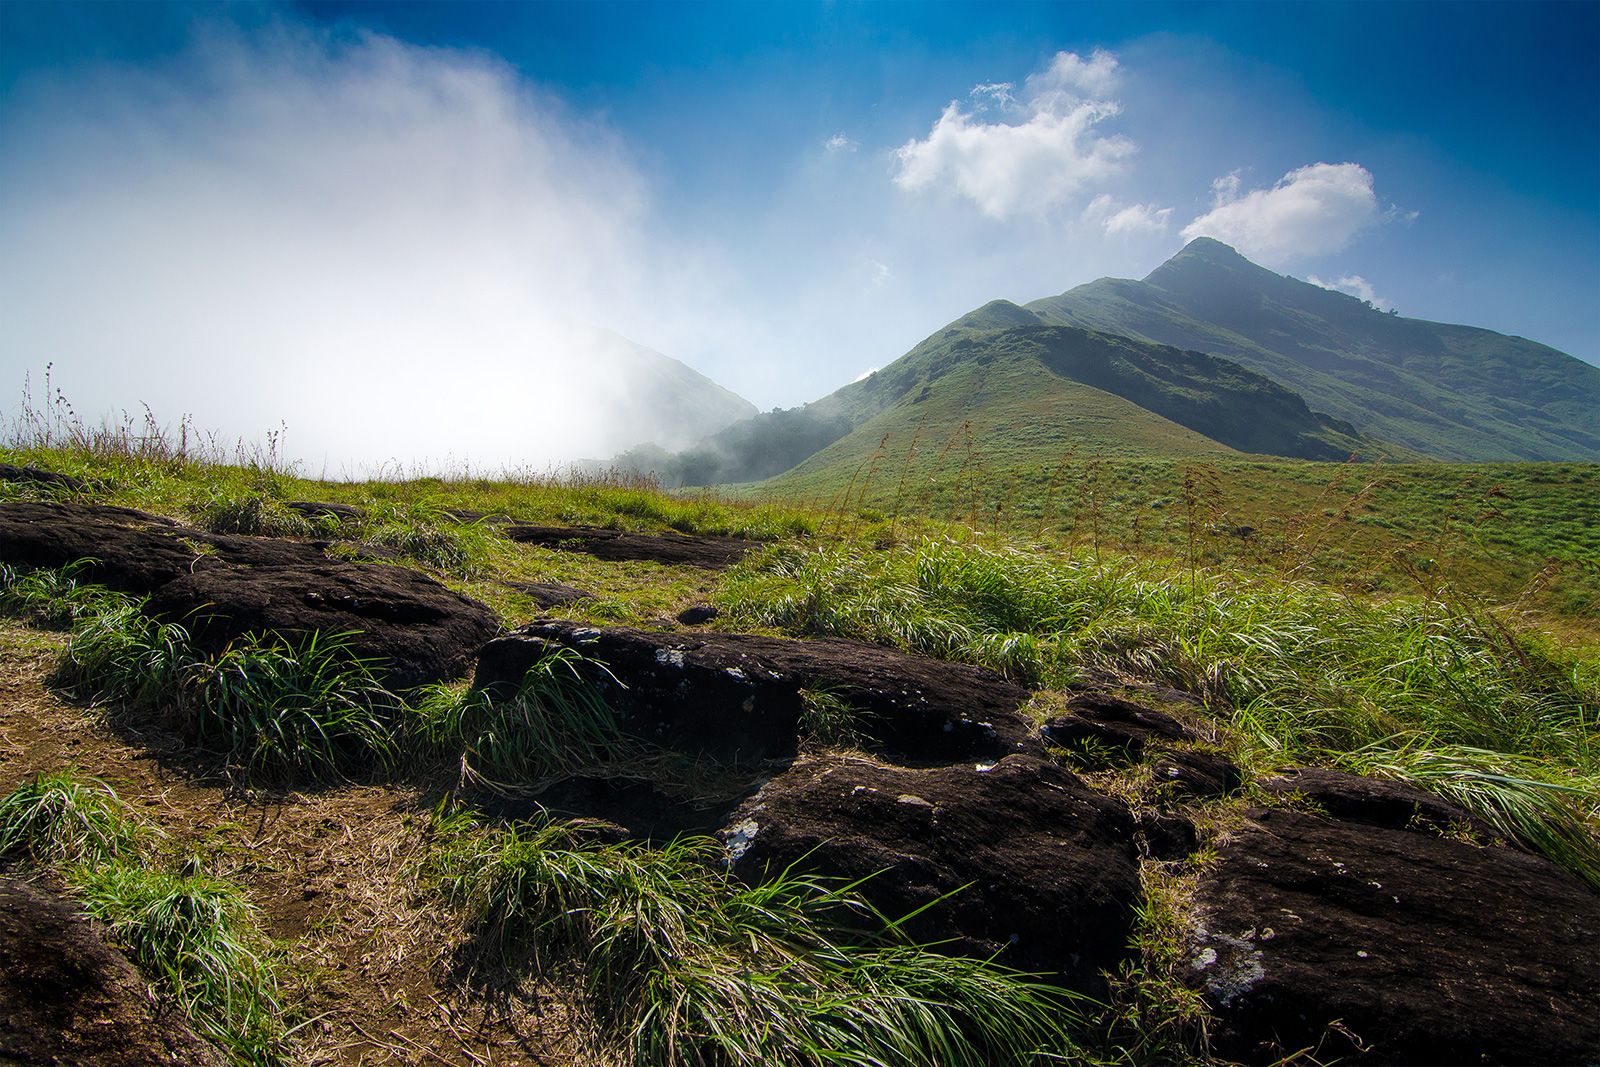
x=1449, y=686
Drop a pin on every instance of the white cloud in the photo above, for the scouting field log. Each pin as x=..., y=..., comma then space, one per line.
x=1356, y=286
x=879, y=272
x=864, y=375
x=1033, y=164
x=398, y=251
x=1132, y=220
x=1313, y=211
x=840, y=143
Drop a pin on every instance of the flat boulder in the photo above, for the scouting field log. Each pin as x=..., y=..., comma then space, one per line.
x=1097, y=721
x=695, y=551
x=133, y=551
x=416, y=629
x=66, y=997
x=549, y=594
x=1042, y=868
x=22, y=475
x=741, y=696
x=1374, y=801
x=1375, y=944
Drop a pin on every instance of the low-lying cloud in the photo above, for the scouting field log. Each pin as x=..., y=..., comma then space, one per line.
x=1354, y=285
x=1023, y=153
x=398, y=251
x=1309, y=212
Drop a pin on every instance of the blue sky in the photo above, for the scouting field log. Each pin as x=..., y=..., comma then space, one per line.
x=427, y=202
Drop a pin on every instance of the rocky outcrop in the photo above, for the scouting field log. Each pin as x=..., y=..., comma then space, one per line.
x=1357, y=939
x=1037, y=866
x=699, y=551
x=740, y=697
x=221, y=586
x=66, y=997
x=414, y=629
x=66, y=483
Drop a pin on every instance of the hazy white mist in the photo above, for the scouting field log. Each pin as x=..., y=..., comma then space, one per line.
x=399, y=252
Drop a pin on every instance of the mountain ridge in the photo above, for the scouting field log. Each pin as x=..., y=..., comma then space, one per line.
x=1445, y=390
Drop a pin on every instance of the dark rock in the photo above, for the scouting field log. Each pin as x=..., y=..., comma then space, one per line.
x=1122, y=728
x=1196, y=773
x=66, y=997
x=418, y=629
x=1166, y=836
x=698, y=615
x=316, y=509
x=1048, y=864
x=698, y=551
x=35, y=476
x=738, y=696
x=1427, y=950
x=1374, y=801
x=132, y=551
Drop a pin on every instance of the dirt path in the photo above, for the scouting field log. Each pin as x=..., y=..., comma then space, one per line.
x=331, y=870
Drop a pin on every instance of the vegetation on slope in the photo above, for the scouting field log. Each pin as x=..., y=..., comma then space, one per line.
x=1434, y=688
x=1452, y=392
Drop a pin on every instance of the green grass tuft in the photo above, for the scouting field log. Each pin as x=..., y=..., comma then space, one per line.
x=555, y=723
x=683, y=964
x=64, y=819
x=201, y=941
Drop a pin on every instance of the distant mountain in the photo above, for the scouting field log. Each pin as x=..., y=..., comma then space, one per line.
x=1451, y=392
x=654, y=398
x=1017, y=386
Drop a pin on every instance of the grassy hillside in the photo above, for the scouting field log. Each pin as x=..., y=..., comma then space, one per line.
x=1453, y=392
x=285, y=917
x=1002, y=367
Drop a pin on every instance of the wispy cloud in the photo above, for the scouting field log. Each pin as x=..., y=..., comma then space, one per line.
x=840, y=143
x=1356, y=286
x=1042, y=148
x=1130, y=220
x=1311, y=211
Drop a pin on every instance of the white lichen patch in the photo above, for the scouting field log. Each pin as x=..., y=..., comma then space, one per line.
x=1231, y=965
x=670, y=657
x=740, y=837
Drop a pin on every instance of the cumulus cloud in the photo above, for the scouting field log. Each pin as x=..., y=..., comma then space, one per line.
x=1040, y=150
x=1313, y=211
x=1132, y=220
x=1356, y=286
x=840, y=143
x=396, y=250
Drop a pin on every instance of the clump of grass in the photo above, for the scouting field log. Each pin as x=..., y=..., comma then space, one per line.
x=683, y=964
x=54, y=598
x=422, y=531
x=201, y=942
x=275, y=705
x=554, y=723
x=255, y=513
x=64, y=819
x=1524, y=799
x=828, y=720
x=195, y=937
x=290, y=707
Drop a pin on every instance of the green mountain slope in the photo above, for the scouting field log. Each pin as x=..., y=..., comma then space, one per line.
x=1027, y=390
x=1454, y=392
